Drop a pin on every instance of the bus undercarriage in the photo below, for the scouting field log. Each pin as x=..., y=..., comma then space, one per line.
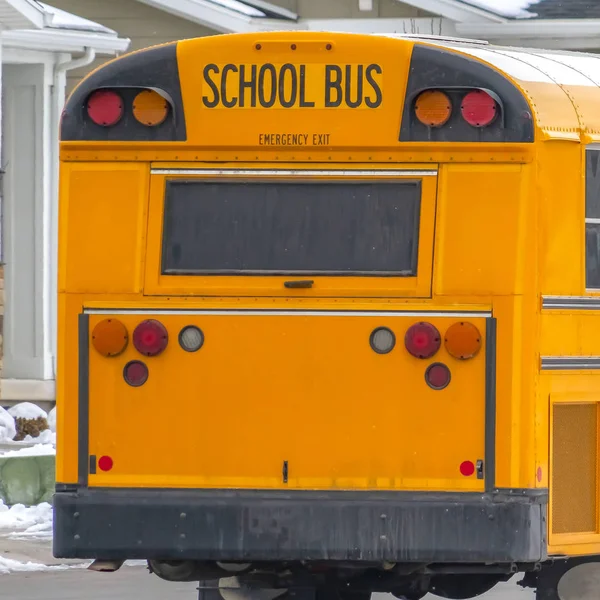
x=556, y=579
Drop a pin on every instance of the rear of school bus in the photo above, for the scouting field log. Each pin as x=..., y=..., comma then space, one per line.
x=297, y=310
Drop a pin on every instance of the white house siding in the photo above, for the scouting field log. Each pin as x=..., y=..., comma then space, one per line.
x=27, y=191
x=144, y=25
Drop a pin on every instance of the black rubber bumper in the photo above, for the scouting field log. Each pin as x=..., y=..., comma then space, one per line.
x=504, y=526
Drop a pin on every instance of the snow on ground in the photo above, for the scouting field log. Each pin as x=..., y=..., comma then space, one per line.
x=8, y=565
x=26, y=521
x=506, y=8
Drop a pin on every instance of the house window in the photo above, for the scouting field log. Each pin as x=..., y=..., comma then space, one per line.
x=592, y=218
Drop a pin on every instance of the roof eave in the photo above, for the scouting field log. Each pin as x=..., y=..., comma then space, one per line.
x=52, y=40
x=533, y=28
x=218, y=18
x=423, y=25
x=455, y=10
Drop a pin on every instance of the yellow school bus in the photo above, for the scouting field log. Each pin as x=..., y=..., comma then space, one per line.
x=328, y=315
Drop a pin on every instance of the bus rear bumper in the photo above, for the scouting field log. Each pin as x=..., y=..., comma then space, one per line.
x=500, y=527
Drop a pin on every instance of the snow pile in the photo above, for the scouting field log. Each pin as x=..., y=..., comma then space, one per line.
x=27, y=410
x=512, y=9
x=8, y=565
x=42, y=449
x=45, y=437
x=8, y=429
x=27, y=520
x=52, y=420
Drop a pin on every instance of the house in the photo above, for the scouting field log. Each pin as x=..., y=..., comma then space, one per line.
x=57, y=47
x=39, y=45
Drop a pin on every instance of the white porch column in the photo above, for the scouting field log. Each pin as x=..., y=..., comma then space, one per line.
x=28, y=192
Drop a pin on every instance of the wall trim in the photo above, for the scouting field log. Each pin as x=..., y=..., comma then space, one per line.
x=28, y=390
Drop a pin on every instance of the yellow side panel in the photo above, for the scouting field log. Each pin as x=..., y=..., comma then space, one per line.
x=477, y=249
x=562, y=244
x=103, y=226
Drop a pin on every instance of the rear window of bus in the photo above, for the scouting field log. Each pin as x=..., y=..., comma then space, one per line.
x=327, y=228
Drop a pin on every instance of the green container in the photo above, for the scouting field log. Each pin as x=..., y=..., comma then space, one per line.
x=27, y=480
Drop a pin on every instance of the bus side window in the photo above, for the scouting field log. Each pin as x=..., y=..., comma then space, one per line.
x=592, y=218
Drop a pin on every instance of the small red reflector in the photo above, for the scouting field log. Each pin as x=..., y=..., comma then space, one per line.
x=105, y=108
x=105, y=463
x=422, y=340
x=150, y=337
x=437, y=376
x=467, y=468
x=135, y=373
x=479, y=109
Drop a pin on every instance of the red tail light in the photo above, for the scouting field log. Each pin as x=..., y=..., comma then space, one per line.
x=105, y=463
x=150, y=337
x=467, y=468
x=422, y=340
x=135, y=373
x=437, y=376
x=105, y=108
x=479, y=109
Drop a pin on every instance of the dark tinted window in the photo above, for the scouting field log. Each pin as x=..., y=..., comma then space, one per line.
x=284, y=227
x=592, y=250
x=592, y=214
x=592, y=184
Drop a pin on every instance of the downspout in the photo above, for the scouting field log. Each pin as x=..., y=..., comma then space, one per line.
x=51, y=233
x=88, y=58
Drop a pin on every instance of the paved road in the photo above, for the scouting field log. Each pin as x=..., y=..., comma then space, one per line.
x=135, y=583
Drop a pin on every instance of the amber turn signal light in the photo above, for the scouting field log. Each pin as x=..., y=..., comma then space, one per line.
x=462, y=340
x=150, y=108
x=433, y=108
x=110, y=337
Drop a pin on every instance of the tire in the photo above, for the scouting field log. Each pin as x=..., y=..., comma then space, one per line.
x=183, y=570
x=409, y=595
